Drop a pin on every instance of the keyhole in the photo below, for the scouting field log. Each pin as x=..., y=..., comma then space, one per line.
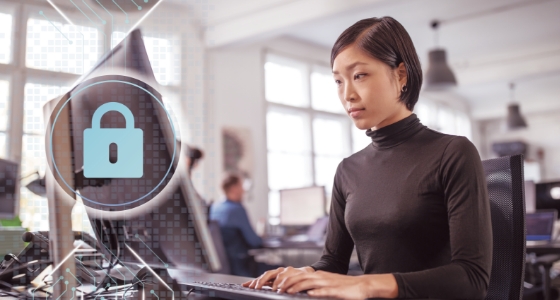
x=113, y=153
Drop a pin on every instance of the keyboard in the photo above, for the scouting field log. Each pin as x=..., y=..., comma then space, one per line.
x=238, y=292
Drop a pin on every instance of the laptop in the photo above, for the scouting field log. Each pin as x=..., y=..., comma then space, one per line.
x=540, y=226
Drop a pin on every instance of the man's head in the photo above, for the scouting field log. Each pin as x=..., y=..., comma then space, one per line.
x=233, y=187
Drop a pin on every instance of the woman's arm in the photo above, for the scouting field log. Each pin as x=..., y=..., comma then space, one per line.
x=339, y=244
x=468, y=274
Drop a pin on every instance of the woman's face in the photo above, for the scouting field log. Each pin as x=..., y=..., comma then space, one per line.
x=368, y=89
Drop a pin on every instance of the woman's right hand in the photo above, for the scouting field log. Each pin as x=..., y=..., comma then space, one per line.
x=275, y=278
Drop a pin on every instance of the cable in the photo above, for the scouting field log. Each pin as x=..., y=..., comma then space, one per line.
x=19, y=293
x=190, y=291
x=113, y=240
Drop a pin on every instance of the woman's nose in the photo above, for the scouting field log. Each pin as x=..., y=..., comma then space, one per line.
x=349, y=93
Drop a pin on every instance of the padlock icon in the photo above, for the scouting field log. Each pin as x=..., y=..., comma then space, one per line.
x=129, y=142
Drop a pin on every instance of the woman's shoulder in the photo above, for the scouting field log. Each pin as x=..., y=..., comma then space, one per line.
x=446, y=141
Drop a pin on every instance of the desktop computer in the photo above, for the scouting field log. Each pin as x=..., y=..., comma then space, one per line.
x=302, y=206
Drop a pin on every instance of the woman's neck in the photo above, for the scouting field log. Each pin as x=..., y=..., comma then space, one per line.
x=402, y=113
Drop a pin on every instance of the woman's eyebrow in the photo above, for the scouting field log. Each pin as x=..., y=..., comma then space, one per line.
x=352, y=66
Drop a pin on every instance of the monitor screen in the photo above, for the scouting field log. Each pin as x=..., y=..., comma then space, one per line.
x=302, y=206
x=540, y=225
x=8, y=192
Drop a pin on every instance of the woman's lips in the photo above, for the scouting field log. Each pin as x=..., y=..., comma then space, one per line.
x=356, y=113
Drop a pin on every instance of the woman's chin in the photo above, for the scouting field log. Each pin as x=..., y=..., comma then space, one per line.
x=360, y=124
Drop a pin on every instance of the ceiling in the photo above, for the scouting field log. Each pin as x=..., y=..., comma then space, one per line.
x=489, y=42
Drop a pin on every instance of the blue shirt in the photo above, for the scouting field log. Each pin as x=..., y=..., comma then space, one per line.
x=230, y=214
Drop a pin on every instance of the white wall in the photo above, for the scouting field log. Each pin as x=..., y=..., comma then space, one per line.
x=235, y=93
x=543, y=132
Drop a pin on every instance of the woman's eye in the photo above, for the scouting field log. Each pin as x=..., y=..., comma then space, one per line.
x=359, y=76
x=338, y=82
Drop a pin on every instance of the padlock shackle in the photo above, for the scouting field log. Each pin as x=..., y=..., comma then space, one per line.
x=112, y=106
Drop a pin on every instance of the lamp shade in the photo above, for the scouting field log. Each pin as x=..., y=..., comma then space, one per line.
x=37, y=187
x=514, y=118
x=439, y=75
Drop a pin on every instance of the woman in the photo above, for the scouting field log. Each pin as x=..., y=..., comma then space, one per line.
x=414, y=202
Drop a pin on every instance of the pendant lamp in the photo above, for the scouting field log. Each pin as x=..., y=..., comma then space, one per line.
x=514, y=118
x=438, y=74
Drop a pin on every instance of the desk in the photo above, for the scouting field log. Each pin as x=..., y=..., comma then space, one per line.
x=289, y=254
x=550, y=248
x=186, y=276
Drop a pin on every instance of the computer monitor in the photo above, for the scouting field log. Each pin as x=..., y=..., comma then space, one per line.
x=548, y=195
x=302, y=206
x=8, y=189
x=540, y=225
x=530, y=196
x=171, y=233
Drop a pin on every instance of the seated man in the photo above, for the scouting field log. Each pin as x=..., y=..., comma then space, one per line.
x=237, y=234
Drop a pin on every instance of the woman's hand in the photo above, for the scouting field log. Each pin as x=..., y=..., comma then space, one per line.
x=273, y=277
x=325, y=284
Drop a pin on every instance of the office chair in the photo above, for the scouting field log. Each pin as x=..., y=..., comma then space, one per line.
x=504, y=178
x=214, y=228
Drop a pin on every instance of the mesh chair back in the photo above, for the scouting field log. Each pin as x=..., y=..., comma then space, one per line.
x=504, y=177
x=214, y=229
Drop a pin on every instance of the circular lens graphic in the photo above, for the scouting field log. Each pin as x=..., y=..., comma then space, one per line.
x=112, y=142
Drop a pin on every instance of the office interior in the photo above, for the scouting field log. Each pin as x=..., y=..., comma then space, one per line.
x=249, y=83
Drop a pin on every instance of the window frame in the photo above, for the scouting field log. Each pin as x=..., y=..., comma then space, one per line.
x=308, y=67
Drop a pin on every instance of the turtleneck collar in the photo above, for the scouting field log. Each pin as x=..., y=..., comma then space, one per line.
x=396, y=133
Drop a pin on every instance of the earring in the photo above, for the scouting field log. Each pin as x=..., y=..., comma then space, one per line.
x=404, y=89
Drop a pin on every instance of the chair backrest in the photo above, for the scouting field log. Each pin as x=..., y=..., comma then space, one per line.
x=505, y=181
x=214, y=229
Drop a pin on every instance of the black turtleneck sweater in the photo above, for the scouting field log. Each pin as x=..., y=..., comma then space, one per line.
x=414, y=203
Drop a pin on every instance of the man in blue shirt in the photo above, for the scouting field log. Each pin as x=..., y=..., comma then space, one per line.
x=237, y=234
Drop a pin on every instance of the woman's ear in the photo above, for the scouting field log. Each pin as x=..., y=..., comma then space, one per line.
x=401, y=74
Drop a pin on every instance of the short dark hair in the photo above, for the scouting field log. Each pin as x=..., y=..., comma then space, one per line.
x=229, y=181
x=386, y=40
x=194, y=154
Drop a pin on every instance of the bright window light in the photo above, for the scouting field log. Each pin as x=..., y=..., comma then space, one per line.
x=36, y=95
x=289, y=157
x=3, y=145
x=330, y=137
x=75, y=50
x=284, y=83
x=324, y=93
x=5, y=38
x=4, y=115
x=163, y=55
x=359, y=139
x=33, y=208
x=4, y=104
x=288, y=132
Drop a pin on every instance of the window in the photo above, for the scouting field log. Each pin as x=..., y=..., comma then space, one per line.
x=308, y=132
x=164, y=57
x=443, y=118
x=61, y=47
x=5, y=38
x=324, y=93
x=33, y=158
x=53, y=55
x=4, y=97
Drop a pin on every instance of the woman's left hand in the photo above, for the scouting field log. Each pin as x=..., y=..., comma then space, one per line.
x=325, y=284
